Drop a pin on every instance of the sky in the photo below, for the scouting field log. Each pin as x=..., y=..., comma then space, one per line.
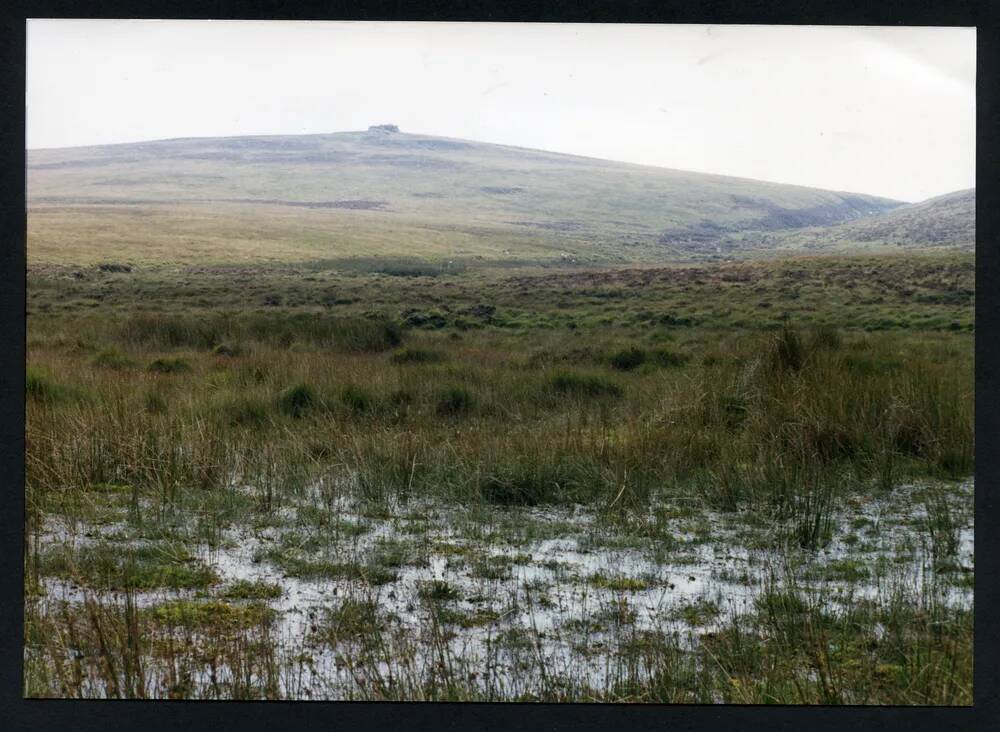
x=885, y=111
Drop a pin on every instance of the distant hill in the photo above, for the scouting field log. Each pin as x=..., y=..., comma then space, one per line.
x=387, y=193
x=945, y=221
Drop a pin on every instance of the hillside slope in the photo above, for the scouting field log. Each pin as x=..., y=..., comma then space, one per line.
x=385, y=193
x=947, y=221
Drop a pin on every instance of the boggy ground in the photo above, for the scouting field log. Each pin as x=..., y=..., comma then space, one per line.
x=503, y=484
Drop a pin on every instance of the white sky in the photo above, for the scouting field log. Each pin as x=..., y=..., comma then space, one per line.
x=888, y=111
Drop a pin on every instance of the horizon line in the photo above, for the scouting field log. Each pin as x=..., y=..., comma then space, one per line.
x=484, y=142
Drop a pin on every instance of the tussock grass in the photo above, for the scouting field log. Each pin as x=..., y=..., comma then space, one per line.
x=169, y=366
x=628, y=359
x=297, y=400
x=212, y=613
x=216, y=330
x=146, y=567
x=780, y=423
x=111, y=358
x=44, y=389
x=454, y=400
x=584, y=385
x=416, y=356
x=249, y=590
x=227, y=350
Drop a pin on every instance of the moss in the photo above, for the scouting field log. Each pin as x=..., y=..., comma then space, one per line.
x=295, y=566
x=437, y=591
x=492, y=567
x=158, y=565
x=617, y=583
x=476, y=618
x=841, y=570
x=248, y=590
x=212, y=614
x=697, y=613
x=395, y=554
x=352, y=619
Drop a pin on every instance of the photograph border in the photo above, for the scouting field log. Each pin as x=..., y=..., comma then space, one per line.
x=155, y=715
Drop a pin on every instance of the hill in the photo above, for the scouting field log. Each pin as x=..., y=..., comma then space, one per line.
x=947, y=221
x=386, y=193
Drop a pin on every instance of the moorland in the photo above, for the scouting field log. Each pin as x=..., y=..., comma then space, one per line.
x=385, y=416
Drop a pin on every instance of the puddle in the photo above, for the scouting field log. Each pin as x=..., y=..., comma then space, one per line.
x=573, y=589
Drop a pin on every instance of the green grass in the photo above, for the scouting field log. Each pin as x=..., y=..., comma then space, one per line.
x=454, y=400
x=297, y=400
x=438, y=591
x=628, y=359
x=780, y=423
x=43, y=388
x=248, y=590
x=351, y=619
x=148, y=567
x=201, y=614
x=411, y=355
x=618, y=584
x=584, y=385
x=169, y=365
x=441, y=205
x=110, y=358
x=295, y=566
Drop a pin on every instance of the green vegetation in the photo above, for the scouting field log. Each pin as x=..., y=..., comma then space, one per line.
x=169, y=365
x=618, y=584
x=113, y=359
x=584, y=385
x=444, y=203
x=297, y=400
x=492, y=424
x=365, y=438
x=153, y=566
x=201, y=614
x=438, y=591
x=416, y=355
x=247, y=590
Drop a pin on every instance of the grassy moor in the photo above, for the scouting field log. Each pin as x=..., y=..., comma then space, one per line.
x=382, y=416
